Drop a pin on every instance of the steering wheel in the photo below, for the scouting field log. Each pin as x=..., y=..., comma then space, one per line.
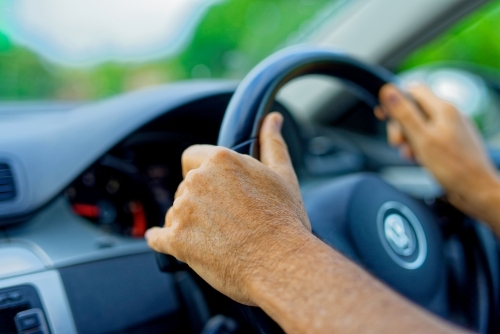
x=394, y=236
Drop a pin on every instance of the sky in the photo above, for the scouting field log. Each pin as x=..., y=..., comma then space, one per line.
x=87, y=32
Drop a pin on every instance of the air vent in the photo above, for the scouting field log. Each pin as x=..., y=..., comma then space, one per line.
x=7, y=188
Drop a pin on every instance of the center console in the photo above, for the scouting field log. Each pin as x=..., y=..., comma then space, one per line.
x=21, y=311
x=35, y=304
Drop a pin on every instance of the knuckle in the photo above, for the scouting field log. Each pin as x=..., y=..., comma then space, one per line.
x=193, y=176
x=169, y=214
x=417, y=91
x=188, y=178
x=420, y=91
x=178, y=192
x=397, y=110
x=183, y=208
x=403, y=115
x=222, y=154
x=179, y=202
x=168, y=218
x=449, y=110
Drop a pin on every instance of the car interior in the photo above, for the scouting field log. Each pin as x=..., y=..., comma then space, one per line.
x=81, y=182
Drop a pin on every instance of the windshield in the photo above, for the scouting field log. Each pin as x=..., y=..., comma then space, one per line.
x=462, y=66
x=88, y=49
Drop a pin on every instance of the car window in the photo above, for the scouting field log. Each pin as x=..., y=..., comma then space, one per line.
x=462, y=65
x=475, y=40
x=87, y=49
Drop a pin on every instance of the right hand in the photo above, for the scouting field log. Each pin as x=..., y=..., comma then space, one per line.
x=235, y=219
x=445, y=142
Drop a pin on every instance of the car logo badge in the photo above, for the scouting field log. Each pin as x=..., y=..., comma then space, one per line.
x=402, y=235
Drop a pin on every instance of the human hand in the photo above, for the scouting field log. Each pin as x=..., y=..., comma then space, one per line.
x=445, y=142
x=235, y=218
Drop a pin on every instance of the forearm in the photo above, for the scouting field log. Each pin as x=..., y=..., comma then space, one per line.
x=317, y=290
x=482, y=203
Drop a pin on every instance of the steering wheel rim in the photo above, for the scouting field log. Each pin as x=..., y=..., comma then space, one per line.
x=255, y=94
x=253, y=98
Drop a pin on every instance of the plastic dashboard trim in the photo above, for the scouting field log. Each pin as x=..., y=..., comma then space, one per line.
x=53, y=297
x=46, y=158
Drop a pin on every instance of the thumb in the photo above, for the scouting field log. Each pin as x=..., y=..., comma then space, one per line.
x=273, y=149
x=158, y=239
x=400, y=108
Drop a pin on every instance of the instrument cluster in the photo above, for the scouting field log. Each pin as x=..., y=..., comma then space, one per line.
x=130, y=188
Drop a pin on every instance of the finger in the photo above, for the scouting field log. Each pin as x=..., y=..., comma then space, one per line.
x=380, y=113
x=169, y=217
x=273, y=149
x=180, y=189
x=158, y=239
x=406, y=152
x=395, y=135
x=403, y=110
x=194, y=156
x=429, y=103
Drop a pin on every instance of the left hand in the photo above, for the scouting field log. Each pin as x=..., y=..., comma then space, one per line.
x=235, y=219
x=445, y=142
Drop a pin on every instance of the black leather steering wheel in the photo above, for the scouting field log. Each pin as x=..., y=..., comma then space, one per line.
x=391, y=234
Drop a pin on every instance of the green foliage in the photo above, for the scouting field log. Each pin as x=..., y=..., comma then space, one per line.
x=474, y=40
x=235, y=35
x=231, y=38
x=24, y=76
x=5, y=43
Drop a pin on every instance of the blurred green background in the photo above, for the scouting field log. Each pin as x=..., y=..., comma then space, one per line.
x=232, y=37
x=475, y=39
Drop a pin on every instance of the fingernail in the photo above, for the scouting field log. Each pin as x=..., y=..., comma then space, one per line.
x=278, y=122
x=147, y=234
x=393, y=98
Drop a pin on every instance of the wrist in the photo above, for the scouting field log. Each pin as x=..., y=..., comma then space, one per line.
x=482, y=201
x=290, y=288
x=284, y=257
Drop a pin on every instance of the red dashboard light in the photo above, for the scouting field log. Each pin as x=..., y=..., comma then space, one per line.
x=86, y=210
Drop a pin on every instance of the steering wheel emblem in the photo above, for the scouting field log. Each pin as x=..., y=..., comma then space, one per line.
x=399, y=234
x=402, y=235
